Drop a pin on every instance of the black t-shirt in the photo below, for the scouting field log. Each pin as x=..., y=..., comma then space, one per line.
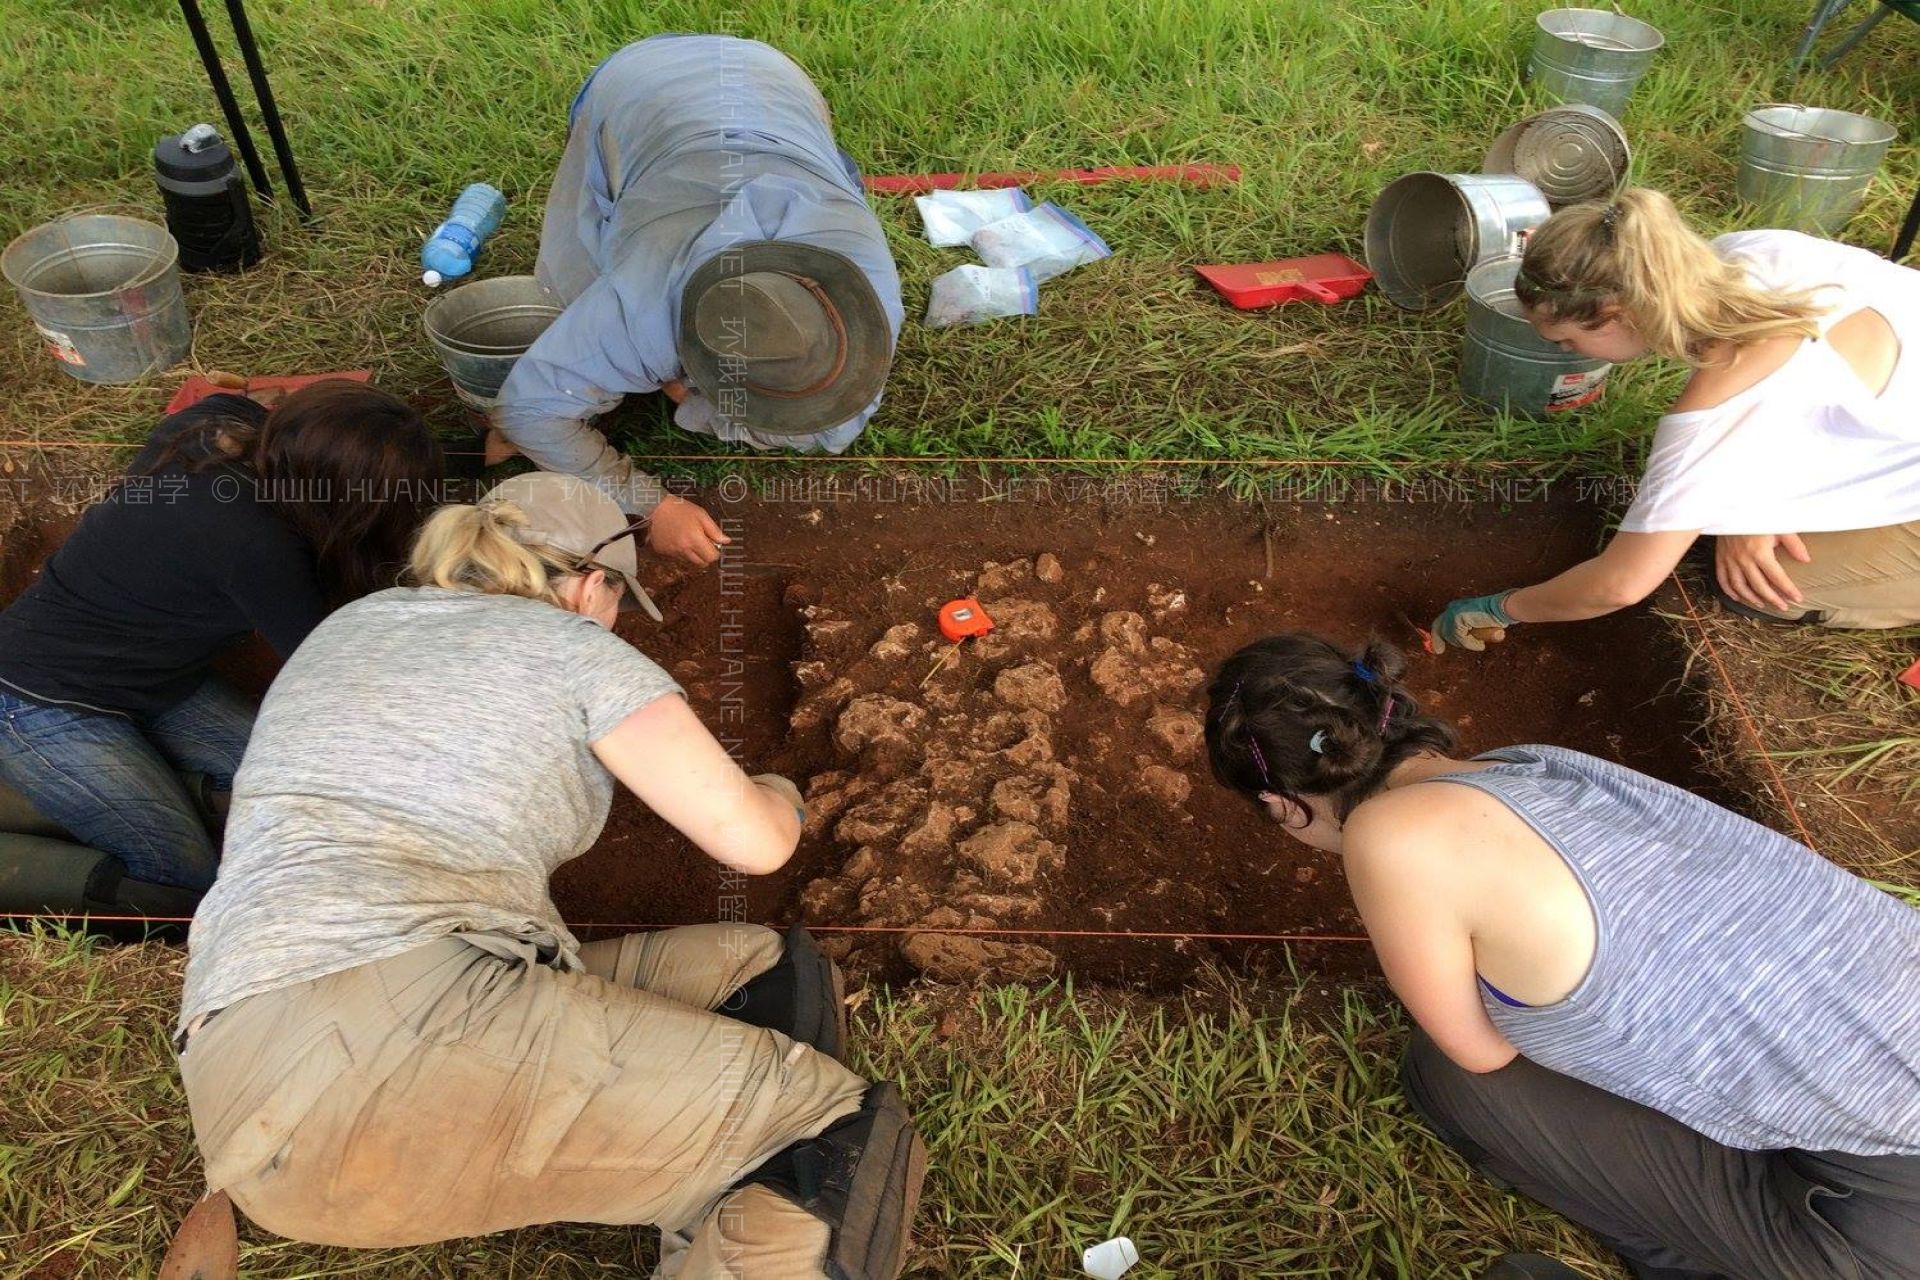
x=158, y=577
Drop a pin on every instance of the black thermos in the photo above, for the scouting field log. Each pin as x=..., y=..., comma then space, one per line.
x=207, y=207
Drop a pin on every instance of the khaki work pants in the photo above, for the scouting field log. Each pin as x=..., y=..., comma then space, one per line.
x=1867, y=579
x=463, y=1088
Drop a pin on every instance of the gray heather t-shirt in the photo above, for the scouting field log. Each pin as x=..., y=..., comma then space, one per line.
x=420, y=767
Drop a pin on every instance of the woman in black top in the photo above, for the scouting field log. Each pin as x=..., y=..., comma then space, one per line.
x=233, y=519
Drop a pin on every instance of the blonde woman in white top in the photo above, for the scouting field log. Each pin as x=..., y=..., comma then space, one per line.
x=1796, y=442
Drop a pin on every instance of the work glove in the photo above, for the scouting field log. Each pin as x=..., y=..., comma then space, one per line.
x=1471, y=622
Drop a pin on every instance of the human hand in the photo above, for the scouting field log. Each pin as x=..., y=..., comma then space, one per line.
x=681, y=529
x=675, y=389
x=1472, y=623
x=785, y=789
x=1750, y=570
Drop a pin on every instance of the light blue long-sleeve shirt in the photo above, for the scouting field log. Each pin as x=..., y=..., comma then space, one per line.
x=680, y=147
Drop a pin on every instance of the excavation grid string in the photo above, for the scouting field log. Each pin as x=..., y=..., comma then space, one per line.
x=944, y=460
x=1749, y=726
x=637, y=927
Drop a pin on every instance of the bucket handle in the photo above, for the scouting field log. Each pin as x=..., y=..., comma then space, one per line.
x=1782, y=132
x=117, y=209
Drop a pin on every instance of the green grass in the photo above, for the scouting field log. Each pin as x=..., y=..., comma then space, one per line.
x=393, y=107
x=1232, y=1132
x=1249, y=1128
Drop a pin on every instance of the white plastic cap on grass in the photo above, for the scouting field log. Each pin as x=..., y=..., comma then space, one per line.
x=431, y=279
x=1109, y=1260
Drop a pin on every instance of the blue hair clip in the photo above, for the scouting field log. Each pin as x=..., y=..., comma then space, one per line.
x=1364, y=671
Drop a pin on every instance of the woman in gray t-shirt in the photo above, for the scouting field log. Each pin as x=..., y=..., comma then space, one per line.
x=1678, y=1027
x=390, y=1037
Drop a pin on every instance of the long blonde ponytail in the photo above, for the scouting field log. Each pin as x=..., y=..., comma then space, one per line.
x=472, y=548
x=1638, y=253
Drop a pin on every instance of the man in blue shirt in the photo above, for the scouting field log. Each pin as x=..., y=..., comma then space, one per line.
x=713, y=242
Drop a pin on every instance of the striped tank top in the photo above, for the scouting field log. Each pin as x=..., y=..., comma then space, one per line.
x=1741, y=983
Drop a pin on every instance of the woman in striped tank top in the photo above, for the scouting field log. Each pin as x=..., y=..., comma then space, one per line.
x=1683, y=1030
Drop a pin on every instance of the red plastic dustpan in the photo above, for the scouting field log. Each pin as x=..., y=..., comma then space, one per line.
x=1325, y=278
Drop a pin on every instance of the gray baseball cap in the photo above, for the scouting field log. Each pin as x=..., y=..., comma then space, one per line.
x=576, y=516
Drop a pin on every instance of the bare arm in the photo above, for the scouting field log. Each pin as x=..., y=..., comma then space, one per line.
x=1627, y=572
x=664, y=755
x=1423, y=945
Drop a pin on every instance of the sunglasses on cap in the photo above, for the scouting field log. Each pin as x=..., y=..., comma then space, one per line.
x=632, y=530
x=615, y=579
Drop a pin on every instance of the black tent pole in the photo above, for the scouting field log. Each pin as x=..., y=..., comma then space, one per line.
x=1908, y=230
x=270, y=113
x=223, y=90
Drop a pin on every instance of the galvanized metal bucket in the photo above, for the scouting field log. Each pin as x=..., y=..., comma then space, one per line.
x=1807, y=168
x=104, y=292
x=479, y=330
x=1426, y=231
x=1593, y=56
x=1572, y=153
x=1504, y=364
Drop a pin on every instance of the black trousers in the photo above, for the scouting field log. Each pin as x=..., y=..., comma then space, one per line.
x=1674, y=1204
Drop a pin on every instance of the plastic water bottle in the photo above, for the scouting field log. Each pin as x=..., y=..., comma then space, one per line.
x=450, y=250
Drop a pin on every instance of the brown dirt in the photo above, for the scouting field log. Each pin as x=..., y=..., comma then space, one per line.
x=1050, y=777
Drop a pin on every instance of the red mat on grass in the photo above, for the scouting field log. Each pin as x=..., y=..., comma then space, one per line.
x=197, y=388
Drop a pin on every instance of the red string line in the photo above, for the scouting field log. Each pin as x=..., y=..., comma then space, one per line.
x=1199, y=175
x=1745, y=718
x=635, y=927
x=1747, y=722
x=947, y=460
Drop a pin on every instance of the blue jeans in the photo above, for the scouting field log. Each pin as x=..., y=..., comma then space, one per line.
x=114, y=782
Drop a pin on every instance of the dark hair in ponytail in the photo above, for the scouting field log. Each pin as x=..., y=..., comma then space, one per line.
x=1294, y=715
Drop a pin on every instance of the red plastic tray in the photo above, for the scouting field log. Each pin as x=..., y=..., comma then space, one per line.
x=1325, y=278
x=197, y=388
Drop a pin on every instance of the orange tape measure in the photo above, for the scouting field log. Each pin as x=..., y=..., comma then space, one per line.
x=964, y=619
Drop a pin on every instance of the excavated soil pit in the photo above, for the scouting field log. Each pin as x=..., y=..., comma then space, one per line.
x=1050, y=777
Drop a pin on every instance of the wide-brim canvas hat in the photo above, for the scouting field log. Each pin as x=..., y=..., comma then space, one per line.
x=577, y=517
x=788, y=339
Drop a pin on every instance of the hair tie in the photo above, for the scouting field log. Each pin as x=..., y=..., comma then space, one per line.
x=1318, y=742
x=1386, y=714
x=1364, y=671
x=1610, y=221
